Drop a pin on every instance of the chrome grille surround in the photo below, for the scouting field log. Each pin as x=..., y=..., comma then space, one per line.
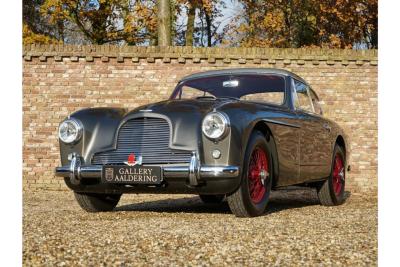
x=148, y=137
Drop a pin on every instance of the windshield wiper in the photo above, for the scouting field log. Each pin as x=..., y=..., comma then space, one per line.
x=229, y=97
x=217, y=98
x=206, y=97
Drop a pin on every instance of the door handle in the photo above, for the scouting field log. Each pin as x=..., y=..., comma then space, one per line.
x=327, y=127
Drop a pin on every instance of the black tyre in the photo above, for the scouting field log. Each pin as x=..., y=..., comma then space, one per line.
x=251, y=198
x=215, y=199
x=331, y=192
x=97, y=202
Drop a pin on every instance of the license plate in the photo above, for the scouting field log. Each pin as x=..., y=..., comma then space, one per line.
x=131, y=174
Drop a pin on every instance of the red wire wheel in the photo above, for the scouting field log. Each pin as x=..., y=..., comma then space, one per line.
x=338, y=175
x=257, y=174
x=251, y=197
x=331, y=191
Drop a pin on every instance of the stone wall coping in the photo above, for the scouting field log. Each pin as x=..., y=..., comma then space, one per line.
x=186, y=52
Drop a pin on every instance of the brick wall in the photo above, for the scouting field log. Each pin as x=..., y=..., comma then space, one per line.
x=58, y=80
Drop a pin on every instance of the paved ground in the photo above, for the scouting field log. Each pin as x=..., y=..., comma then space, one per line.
x=165, y=230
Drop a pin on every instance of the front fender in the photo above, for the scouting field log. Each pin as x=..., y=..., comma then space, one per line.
x=100, y=126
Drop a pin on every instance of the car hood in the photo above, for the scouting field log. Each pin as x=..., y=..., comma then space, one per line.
x=184, y=116
x=179, y=107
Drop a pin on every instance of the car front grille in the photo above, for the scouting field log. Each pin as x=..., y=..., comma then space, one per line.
x=146, y=137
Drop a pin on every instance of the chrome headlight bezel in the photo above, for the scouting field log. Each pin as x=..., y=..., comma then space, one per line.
x=224, y=122
x=76, y=136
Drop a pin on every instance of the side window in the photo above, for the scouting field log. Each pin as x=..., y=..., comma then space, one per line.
x=303, y=100
x=315, y=101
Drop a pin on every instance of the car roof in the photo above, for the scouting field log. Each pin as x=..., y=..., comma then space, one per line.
x=244, y=71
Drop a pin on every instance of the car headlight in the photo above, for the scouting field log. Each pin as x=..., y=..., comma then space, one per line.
x=70, y=131
x=215, y=125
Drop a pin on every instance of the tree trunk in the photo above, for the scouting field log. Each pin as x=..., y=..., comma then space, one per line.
x=190, y=24
x=164, y=23
x=208, y=28
x=60, y=28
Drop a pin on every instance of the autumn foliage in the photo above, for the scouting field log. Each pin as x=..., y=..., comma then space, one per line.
x=306, y=23
x=29, y=37
x=105, y=21
x=272, y=23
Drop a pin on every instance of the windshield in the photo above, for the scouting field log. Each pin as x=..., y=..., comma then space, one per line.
x=252, y=87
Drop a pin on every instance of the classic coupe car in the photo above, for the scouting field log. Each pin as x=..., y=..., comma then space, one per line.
x=234, y=134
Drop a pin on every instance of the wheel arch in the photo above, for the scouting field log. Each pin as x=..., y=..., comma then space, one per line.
x=263, y=127
x=342, y=143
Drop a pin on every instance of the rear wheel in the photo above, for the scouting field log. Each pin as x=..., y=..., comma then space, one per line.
x=251, y=198
x=331, y=192
x=97, y=202
x=212, y=198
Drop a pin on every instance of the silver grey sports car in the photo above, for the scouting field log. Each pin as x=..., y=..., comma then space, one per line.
x=234, y=134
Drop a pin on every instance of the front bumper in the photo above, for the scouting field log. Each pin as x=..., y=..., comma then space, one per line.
x=194, y=173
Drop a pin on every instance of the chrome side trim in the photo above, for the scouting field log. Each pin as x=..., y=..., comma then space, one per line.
x=281, y=123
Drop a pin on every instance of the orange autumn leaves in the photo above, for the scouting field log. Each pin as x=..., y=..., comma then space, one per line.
x=105, y=21
x=272, y=23
x=306, y=23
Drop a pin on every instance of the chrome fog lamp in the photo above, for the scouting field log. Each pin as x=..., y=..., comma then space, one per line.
x=215, y=125
x=216, y=154
x=70, y=131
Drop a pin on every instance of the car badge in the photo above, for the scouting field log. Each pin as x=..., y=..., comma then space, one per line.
x=132, y=160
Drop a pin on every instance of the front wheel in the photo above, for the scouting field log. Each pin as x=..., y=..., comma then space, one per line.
x=251, y=198
x=331, y=192
x=97, y=202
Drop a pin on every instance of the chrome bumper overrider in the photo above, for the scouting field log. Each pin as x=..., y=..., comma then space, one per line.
x=194, y=172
